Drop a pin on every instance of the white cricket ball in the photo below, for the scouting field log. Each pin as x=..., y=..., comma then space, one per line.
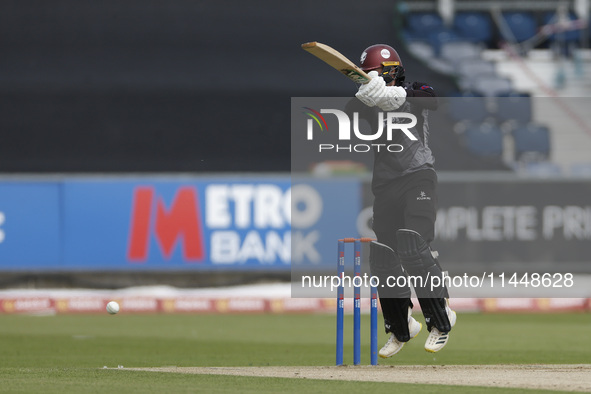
x=112, y=307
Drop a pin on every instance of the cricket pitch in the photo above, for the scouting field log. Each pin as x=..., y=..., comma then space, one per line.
x=567, y=377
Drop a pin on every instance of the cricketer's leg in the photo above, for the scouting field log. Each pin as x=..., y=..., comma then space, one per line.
x=419, y=262
x=394, y=300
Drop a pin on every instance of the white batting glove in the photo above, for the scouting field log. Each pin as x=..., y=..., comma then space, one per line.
x=371, y=92
x=392, y=97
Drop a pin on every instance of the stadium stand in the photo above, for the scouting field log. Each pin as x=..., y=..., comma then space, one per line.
x=468, y=106
x=514, y=107
x=469, y=42
x=532, y=142
x=474, y=26
x=421, y=24
x=522, y=24
x=568, y=34
x=484, y=140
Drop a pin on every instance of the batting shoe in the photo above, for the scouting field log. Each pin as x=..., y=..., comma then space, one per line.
x=437, y=339
x=393, y=345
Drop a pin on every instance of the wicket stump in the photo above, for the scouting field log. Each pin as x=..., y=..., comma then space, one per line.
x=356, y=304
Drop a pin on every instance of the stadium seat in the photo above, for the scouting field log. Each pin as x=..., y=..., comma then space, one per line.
x=442, y=37
x=491, y=85
x=532, y=142
x=467, y=106
x=472, y=67
x=456, y=51
x=581, y=170
x=515, y=107
x=421, y=24
x=540, y=169
x=421, y=49
x=467, y=70
x=473, y=26
x=409, y=36
x=522, y=24
x=484, y=140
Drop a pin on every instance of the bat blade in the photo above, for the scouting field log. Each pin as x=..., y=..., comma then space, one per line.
x=338, y=61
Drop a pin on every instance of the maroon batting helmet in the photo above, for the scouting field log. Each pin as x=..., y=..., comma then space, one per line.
x=379, y=55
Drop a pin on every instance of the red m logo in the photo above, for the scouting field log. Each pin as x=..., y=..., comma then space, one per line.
x=180, y=223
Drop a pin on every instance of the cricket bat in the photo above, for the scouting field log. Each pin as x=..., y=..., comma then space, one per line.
x=336, y=60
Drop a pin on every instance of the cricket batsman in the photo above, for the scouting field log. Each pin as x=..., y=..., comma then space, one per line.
x=404, y=185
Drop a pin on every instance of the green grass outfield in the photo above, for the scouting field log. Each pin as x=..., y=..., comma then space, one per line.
x=66, y=353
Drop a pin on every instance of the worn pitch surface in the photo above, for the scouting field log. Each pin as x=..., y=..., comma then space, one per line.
x=575, y=377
